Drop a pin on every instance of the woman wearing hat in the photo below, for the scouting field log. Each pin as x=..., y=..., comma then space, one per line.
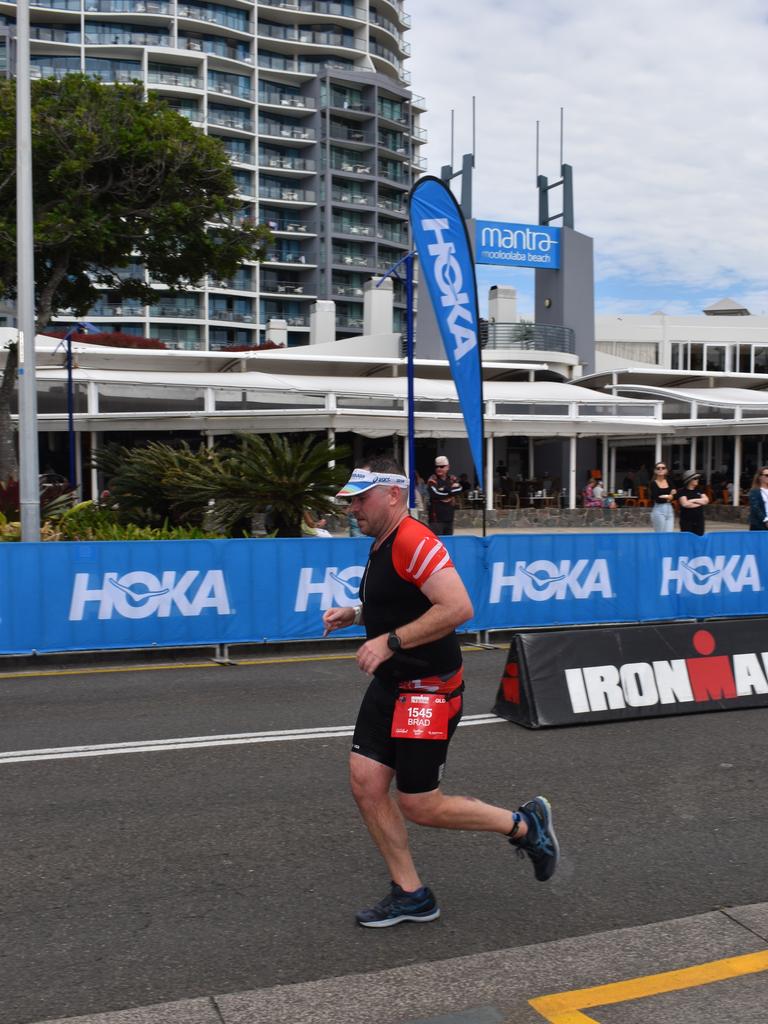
x=692, y=502
x=662, y=496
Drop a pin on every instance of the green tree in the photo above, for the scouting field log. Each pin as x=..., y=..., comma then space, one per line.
x=273, y=472
x=117, y=177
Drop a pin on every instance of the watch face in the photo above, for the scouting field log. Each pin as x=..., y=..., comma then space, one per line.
x=394, y=642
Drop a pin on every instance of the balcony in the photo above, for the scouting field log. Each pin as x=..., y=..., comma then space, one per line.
x=290, y=195
x=350, y=168
x=286, y=131
x=116, y=37
x=528, y=337
x=281, y=162
x=230, y=316
x=350, y=196
x=215, y=17
x=186, y=311
x=352, y=259
x=54, y=35
x=295, y=34
x=326, y=7
x=348, y=227
x=282, y=287
x=281, y=256
x=241, y=124
x=126, y=7
x=282, y=99
x=174, y=80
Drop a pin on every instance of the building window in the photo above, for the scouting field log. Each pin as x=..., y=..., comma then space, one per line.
x=716, y=358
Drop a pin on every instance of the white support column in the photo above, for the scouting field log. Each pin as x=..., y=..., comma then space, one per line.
x=489, y=495
x=694, y=453
x=331, y=436
x=572, y=474
x=612, y=450
x=708, y=467
x=736, y=469
x=531, y=466
x=606, y=464
x=657, y=454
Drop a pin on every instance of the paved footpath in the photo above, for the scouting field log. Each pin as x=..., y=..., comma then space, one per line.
x=709, y=969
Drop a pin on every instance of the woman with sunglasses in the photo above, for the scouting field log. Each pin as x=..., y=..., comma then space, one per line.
x=758, y=501
x=662, y=496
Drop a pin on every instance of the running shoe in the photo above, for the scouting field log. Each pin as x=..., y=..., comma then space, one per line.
x=540, y=842
x=399, y=906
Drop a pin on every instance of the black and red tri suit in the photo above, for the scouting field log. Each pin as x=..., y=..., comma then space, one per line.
x=391, y=594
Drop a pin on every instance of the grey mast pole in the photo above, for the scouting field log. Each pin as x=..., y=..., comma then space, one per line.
x=29, y=463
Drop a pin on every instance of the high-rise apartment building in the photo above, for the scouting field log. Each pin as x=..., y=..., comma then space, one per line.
x=312, y=102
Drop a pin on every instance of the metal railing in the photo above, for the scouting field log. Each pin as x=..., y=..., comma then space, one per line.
x=530, y=337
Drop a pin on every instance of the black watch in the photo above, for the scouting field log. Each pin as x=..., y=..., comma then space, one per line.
x=393, y=641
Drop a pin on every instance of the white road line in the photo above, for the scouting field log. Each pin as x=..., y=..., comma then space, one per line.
x=197, y=742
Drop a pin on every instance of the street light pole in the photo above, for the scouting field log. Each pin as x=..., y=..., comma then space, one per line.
x=29, y=459
x=78, y=328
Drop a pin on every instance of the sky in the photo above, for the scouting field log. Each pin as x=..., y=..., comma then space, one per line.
x=665, y=125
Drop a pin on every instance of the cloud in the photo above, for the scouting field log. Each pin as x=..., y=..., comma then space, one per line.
x=664, y=126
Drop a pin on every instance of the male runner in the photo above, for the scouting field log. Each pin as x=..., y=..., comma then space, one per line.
x=412, y=601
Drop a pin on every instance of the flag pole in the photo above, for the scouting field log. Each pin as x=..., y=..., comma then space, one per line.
x=409, y=347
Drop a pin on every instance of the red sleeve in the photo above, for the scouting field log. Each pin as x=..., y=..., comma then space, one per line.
x=417, y=554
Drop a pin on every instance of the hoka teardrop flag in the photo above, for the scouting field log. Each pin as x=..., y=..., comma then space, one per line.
x=448, y=270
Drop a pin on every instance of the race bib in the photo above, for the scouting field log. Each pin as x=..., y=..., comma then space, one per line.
x=420, y=716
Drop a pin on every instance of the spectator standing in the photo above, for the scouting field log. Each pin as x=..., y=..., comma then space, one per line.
x=758, y=501
x=662, y=496
x=443, y=489
x=692, y=501
x=641, y=476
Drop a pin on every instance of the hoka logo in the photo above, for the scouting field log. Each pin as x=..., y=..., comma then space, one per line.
x=139, y=595
x=448, y=276
x=552, y=581
x=334, y=588
x=703, y=575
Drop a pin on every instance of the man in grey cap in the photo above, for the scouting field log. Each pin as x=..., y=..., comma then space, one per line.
x=443, y=488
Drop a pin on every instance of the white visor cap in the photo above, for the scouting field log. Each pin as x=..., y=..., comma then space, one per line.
x=363, y=480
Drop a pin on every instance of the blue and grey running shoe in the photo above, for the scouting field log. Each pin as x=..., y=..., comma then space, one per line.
x=400, y=906
x=540, y=842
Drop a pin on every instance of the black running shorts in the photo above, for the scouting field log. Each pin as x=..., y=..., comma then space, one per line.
x=418, y=764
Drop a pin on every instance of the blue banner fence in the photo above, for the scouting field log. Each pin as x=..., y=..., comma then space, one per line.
x=143, y=594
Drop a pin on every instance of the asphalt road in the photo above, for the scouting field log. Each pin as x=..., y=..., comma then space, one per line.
x=142, y=878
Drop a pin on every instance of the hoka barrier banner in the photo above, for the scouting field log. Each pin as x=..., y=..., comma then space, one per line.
x=139, y=594
x=571, y=677
x=448, y=270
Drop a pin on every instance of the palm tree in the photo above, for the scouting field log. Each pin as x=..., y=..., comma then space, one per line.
x=139, y=479
x=264, y=473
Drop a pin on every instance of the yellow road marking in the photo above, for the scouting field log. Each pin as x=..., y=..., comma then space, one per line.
x=566, y=1007
x=177, y=666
